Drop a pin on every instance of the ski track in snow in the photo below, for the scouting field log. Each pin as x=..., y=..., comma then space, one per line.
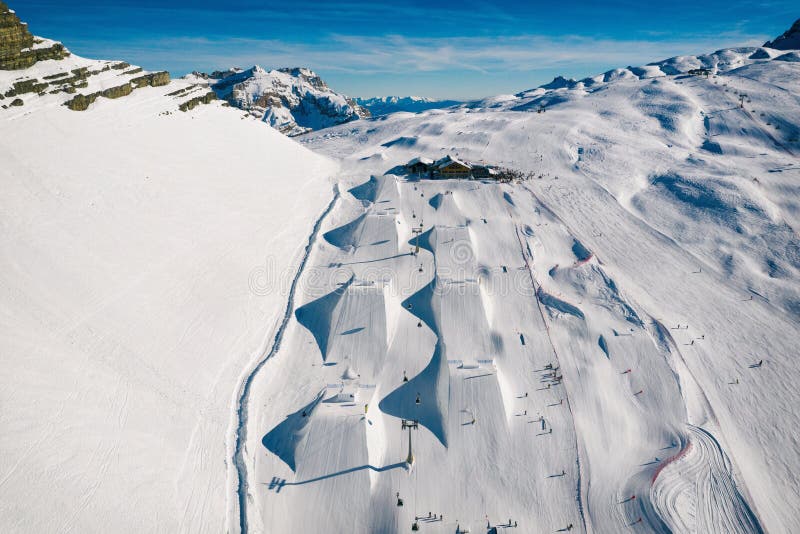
x=455, y=307
x=243, y=397
x=694, y=491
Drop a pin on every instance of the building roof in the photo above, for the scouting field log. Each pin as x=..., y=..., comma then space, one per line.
x=449, y=160
x=422, y=160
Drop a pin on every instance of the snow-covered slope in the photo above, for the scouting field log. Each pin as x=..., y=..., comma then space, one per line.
x=383, y=105
x=587, y=341
x=143, y=255
x=200, y=334
x=293, y=101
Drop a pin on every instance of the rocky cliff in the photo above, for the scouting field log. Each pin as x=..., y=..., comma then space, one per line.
x=26, y=79
x=790, y=40
x=293, y=101
x=19, y=49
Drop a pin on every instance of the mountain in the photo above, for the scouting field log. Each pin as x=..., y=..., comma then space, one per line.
x=383, y=105
x=37, y=73
x=142, y=248
x=604, y=338
x=293, y=101
x=210, y=327
x=719, y=62
x=789, y=40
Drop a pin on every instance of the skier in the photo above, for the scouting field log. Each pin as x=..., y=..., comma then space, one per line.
x=563, y=472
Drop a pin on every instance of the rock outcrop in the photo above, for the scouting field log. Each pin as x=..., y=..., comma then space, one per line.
x=790, y=40
x=19, y=49
x=293, y=101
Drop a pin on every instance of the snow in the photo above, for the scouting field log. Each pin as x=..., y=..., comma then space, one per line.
x=208, y=327
x=142, y=266
x=680, y=209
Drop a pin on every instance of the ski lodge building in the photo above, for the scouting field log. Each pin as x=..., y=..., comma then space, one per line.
x=449, y=167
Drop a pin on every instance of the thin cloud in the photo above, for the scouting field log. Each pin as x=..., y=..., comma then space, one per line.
x=396, y=54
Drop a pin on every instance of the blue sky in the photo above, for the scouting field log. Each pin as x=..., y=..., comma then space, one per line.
x=444, y=49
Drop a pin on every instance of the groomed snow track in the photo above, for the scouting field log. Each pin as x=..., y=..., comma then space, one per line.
x=241, y=411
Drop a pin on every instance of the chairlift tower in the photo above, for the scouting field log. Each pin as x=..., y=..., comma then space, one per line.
x=742, y=96
x=416, y=232
x=407, y=424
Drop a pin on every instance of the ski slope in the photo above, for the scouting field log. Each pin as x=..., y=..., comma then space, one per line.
x=207, y=327
x=582, y=344
x=142, y=252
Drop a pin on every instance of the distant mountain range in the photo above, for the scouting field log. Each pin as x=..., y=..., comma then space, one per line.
x=383, y=105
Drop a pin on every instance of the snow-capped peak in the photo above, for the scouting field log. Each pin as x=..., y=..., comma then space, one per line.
x=292, y=100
